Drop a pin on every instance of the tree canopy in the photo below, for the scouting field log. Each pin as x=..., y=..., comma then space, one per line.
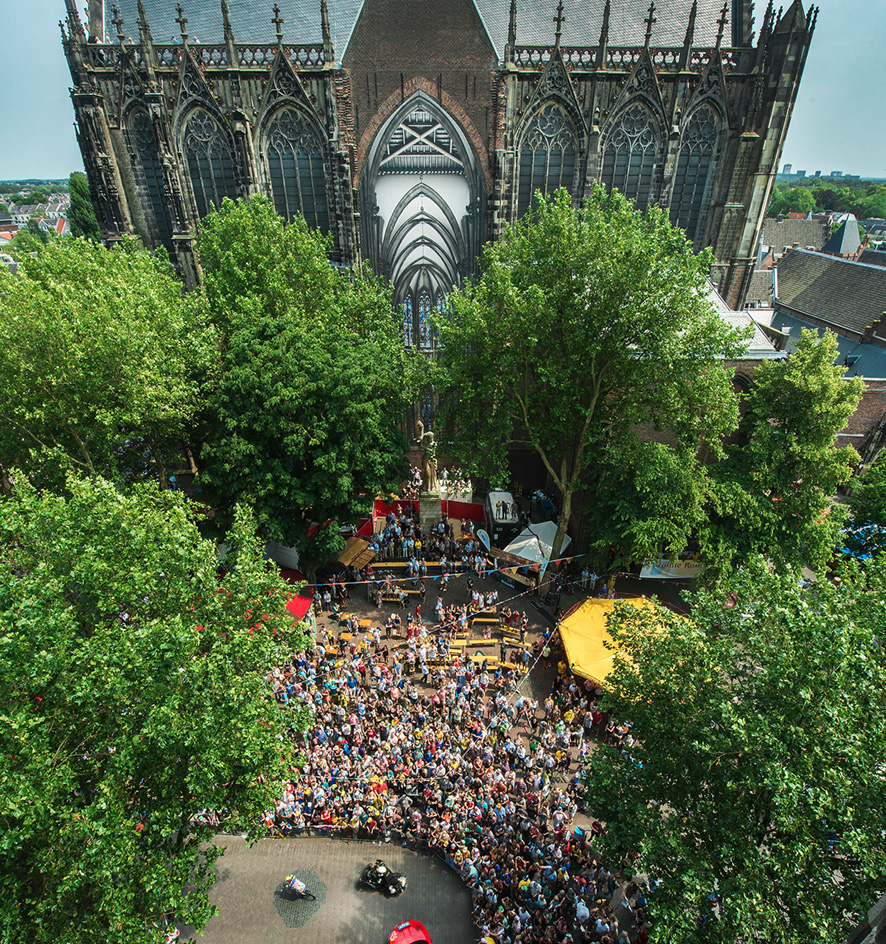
x=133, y=696
x=771, y=492
x=103, y=361
x=588, y=330
x=314, y=379
x=753, y=792
x=81, y=213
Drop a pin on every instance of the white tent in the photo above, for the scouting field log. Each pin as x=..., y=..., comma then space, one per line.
x=536, y=542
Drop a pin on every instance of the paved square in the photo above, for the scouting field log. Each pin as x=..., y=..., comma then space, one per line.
x=247, y=878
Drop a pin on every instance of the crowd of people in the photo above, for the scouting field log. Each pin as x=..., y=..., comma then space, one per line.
x=453, y=483
x=416, y=741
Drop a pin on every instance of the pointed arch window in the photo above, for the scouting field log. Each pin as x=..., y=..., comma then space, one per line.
x=425, y=331
x=408, y=331
x=210, y=162
x=148, y=164
x=630, y=155
x=295, y=165
x=547, y=156
x=694, y=175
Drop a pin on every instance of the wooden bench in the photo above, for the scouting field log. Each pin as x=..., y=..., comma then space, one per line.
x=484, y=619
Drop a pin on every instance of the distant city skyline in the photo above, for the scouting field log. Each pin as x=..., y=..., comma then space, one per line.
x=838, y=123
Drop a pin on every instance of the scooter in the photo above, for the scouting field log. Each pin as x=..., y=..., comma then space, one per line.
x=379, y=877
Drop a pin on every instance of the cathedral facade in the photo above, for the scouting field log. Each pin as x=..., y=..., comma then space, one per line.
x=413, y=131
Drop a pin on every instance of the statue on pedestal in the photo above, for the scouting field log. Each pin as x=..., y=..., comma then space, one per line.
x=428, y=446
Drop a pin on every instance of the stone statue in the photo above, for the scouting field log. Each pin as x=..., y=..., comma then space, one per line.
x=428, y=446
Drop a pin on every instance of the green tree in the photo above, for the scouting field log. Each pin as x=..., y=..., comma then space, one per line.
x=868, y=498
x=81, y=214
x=314, y=380
x=755, y=771
x=786, y=199
x=103, y=362
x=771, y=493
x=30, y=240
x=585, y=325
x=133, y=695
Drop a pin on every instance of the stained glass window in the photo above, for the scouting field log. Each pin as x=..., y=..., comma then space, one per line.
x=695, y=171
x=295, y=163
x=630, y=155
x=210, y=162
x=547, y=156
x=425, y=332
x=408, y=332
x=146, y=154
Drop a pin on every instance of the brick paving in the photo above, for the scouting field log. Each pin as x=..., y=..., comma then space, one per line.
x=250, y=914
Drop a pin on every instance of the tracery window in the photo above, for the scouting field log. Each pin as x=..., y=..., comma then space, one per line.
x=547, y=156
x=143, y=145
x=295, y=163
x=408, y=331
x=425, y=331
x=210, y=162
x=695, y=171
x=630, y=155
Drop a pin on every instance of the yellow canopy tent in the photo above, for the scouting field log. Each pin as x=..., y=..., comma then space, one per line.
x=583, y=632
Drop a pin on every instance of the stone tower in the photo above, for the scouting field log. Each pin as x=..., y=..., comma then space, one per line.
x=413, y=131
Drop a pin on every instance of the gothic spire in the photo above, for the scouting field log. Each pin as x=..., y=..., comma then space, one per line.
x=75, y=24
x=118, y=22
x=226, y=22
x=690, y=37
x=721, y=23
x=147, y=43
x=558, y=19
x=650, y=22
x=328, y=48
x=182, y=21
x=278, y=23
x=512, y=27
x=604, y=36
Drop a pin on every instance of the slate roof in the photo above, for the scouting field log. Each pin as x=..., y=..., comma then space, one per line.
x=844, y=293
x=781, y=235
x=251, y=21
x=758, y=345
x=760, y=289
x=875, y=257
x=845, y=240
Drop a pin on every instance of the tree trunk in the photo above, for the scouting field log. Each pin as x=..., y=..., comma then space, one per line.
x=563, y=523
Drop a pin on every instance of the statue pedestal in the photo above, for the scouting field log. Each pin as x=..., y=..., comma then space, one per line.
x=430, y=510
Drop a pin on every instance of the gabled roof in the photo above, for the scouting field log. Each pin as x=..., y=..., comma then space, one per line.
x=845, y=241
x=837, y=291
x=876, y=257
x=251, y=21
x=780, y=235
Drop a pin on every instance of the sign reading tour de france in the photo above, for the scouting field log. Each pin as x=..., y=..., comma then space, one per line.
x=665, y=569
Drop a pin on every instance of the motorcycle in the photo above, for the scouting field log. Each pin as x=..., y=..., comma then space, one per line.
x=380, y=878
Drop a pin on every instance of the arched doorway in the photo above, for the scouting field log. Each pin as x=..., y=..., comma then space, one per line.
x=422, y=201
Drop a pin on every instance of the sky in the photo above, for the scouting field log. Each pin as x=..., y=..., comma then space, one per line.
x=839, y=121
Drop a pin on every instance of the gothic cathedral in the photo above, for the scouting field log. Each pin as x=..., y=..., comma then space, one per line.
x=412, y=131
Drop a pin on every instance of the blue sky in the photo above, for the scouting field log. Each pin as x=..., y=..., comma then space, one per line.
x=839, y=121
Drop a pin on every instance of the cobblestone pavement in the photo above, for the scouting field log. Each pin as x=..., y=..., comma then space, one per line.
x=250, y=914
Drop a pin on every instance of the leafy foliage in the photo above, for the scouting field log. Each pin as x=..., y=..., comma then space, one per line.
x=81, y=213
x=771, y=493
x=132, y=696
x=868, y=499
x=756, y=768
x=584, y=325
x=103, y=361
x=314, y=379
x=866, y=200
x=29, y=240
